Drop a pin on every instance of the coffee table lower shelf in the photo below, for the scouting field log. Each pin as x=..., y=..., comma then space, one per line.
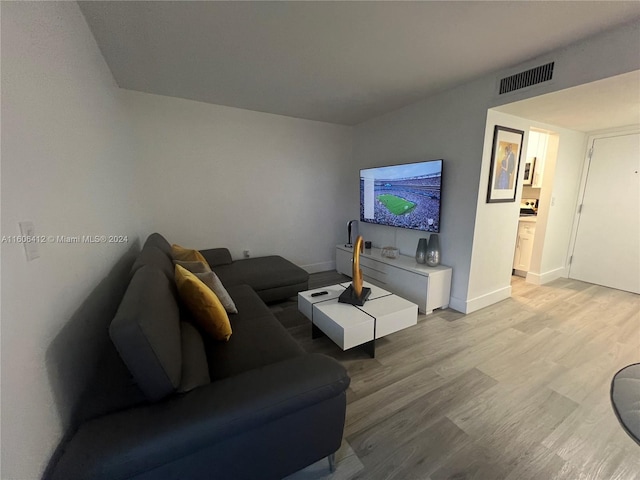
x=350, y=325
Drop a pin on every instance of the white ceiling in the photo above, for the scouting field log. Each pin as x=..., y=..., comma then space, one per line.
x=608, y=103
x=341, y=62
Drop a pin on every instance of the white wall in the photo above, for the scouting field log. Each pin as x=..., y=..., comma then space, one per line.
x=215, y=176
x=496, y=227
x=497, y=223
x=558, y=201
x=67, y=167
x=451, y=125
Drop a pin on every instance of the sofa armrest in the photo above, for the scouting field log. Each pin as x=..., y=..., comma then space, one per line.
x=126, y=443
x=217, y=256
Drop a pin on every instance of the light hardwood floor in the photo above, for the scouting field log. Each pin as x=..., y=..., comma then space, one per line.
x=517, y=390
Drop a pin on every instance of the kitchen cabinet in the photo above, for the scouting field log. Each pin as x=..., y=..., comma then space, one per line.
x=524, y=247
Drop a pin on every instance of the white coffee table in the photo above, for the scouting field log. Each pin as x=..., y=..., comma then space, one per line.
x=350, y=325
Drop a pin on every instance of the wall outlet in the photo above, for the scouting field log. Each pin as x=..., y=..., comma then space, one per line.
x=246, y=253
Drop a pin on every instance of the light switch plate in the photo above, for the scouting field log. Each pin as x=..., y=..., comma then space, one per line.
x=28, y=233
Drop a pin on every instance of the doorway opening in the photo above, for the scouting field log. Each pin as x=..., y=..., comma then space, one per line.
x=539, y=164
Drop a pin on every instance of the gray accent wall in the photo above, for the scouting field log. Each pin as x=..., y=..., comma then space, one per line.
x=447, y=127
x=451, y=125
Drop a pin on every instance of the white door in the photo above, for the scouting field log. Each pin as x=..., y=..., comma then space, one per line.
x=607, y=245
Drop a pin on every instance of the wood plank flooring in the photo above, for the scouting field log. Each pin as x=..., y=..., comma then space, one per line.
x=518, y=390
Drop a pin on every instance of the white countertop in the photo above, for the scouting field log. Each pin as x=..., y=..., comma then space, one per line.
x=529, y=218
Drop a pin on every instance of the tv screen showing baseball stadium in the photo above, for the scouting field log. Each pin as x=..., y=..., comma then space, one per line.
x=406, y=196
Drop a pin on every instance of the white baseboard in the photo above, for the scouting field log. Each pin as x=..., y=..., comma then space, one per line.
x=485, y=300
x=542, y=278
x=319, y=267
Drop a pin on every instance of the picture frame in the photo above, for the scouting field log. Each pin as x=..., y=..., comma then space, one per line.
x=529, y=167
x=505, y=164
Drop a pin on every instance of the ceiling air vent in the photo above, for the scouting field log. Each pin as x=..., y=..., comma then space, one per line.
x=533, y=76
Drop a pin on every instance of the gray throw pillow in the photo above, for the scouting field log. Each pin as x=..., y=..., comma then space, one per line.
x=212, y=281
x=193, y=267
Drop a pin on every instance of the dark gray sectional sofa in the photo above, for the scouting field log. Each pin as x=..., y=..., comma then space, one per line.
x=168, y=402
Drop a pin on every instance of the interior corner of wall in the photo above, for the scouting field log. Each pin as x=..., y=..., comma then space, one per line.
x=458, y=305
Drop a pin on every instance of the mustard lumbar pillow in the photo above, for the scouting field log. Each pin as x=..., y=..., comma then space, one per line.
x=194, y=267
x=203, y=304
x=187, y=254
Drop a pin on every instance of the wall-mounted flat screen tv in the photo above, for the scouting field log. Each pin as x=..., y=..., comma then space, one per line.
x=406, y=196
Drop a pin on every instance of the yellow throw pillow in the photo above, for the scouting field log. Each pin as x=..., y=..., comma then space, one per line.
x=203, y=304
x=187, y=254
x=193, y=267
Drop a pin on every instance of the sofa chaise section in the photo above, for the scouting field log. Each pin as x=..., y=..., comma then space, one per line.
x=272, y=277
x=264, y=423
x=169, y=402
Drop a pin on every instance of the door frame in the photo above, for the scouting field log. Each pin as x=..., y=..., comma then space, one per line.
x=616, y=132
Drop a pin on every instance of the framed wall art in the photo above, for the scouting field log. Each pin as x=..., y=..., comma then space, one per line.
x=505, y=164
x=529, y=165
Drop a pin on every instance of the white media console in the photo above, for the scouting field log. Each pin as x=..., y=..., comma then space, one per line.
x=428, y=287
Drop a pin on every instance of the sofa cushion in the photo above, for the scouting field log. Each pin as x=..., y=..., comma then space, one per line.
x=154, y=257
x=258, y=338
x=203, y=304
x=217, y=256
x=158, y=241
x=186, y=254
x=146, y=333
x=262, y=273
x=110, y=388
x=195, y=371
